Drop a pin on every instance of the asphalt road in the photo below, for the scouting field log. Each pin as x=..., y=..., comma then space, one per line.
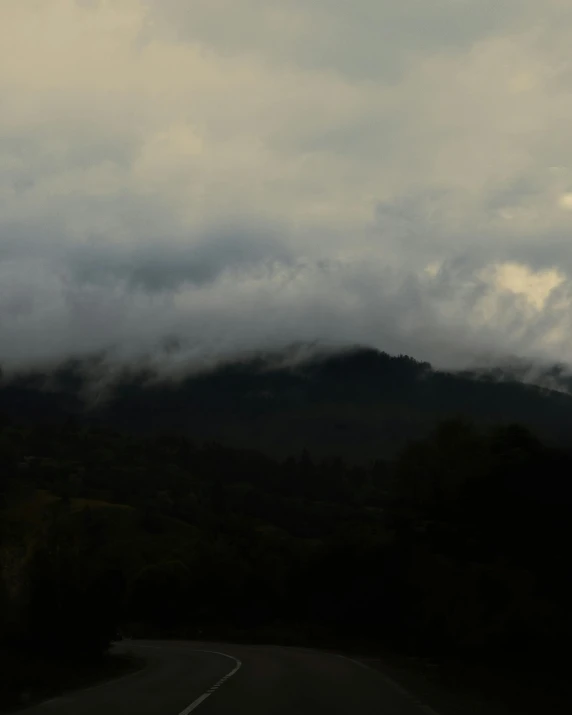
x=212, y=679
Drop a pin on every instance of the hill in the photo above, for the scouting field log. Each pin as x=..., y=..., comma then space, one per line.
x=359, y=403
x=456, y=549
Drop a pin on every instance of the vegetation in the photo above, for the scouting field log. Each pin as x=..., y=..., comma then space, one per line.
x=360, y=404
x=457, y=546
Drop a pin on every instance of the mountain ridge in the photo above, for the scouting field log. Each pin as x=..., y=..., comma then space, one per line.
x=360, y=403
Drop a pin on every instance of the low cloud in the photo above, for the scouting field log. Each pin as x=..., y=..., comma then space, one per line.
x=398, y=176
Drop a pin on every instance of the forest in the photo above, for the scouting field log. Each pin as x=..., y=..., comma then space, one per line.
x=360, y=403
x=456, y=545
x=459, y=544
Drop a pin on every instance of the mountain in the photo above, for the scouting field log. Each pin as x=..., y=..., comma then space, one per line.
x=358, y=403
x=450, y=551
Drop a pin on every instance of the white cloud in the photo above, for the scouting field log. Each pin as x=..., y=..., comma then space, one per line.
x=398, y=174
x=518, y=279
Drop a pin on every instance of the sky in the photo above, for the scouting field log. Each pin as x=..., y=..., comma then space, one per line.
x=189, y=179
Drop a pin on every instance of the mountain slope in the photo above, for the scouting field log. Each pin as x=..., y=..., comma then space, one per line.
x=360, y=403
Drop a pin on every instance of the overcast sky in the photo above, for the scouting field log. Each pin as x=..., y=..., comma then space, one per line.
x=241, y=174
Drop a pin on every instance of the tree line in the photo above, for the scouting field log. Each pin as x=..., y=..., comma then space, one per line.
x=360, y=404
x=458, y=545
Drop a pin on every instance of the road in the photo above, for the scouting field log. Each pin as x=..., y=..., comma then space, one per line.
x=217, y=679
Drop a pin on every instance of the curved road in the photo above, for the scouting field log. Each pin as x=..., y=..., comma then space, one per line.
x=209, y=679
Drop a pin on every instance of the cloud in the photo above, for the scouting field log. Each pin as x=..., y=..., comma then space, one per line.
x=369, y=39
x=392, y=174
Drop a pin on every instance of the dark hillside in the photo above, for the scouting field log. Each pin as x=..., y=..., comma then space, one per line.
x=360, y=403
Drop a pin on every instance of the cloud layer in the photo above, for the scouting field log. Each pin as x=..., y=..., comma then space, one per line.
x=246, y=173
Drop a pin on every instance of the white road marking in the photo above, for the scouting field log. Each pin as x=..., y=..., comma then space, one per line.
x=195, y=704
x=400, y=689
